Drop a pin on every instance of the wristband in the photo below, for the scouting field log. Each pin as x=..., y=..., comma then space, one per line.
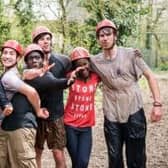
x=157, y=104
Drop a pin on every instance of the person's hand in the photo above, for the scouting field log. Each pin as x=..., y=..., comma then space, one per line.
x=73, y=75
x=43, y=113
x=156, y=114
x=46, y=68
x=29, y=74
x=7, y=110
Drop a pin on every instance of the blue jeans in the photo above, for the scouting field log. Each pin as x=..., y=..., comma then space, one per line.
x=79, y=144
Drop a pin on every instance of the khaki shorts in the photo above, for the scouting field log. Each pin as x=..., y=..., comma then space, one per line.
x=3, y=149
x=21, y=148
x=51, y=131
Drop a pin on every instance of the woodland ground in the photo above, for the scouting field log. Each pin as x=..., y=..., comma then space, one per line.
x=157, y=135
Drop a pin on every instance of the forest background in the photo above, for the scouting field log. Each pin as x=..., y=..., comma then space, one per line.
x=141, y=24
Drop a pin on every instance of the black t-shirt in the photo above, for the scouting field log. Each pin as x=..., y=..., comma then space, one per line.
x=23, y=114
x=55, y=99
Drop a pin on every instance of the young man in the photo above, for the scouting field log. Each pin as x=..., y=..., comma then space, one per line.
x=57, y=139
x=11, y=54
x=125, y=122
x=6, y=109
x=22, y=133
x=11, y=79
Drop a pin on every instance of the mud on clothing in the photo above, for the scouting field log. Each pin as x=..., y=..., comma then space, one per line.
x=121, y=92
x=133, y=134
x=125, y=121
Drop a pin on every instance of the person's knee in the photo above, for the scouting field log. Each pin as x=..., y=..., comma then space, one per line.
x=38, y=152
x=58, y=155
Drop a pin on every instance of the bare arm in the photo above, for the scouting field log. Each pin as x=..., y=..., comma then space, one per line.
x=156, y=112
x=29, y=74
x=34, y=99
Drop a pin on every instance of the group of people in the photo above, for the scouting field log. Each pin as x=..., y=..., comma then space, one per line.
x=33, y=111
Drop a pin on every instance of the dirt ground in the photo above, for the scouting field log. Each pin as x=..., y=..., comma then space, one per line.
x=157, y=135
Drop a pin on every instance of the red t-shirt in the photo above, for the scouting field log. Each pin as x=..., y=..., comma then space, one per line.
x=79, y=110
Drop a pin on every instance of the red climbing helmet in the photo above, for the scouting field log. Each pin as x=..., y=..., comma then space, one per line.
x=40, y=30
x=32, y=47
x=105, y=23
x=78, y=53
x=14, y=45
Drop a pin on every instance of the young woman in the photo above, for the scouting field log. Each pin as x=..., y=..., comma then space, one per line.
x=79, y=116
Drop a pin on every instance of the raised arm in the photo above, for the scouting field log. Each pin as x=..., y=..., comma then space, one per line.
x=50, y=82
x=29, y=74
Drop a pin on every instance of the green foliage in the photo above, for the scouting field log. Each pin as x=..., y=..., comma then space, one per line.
x=163, y=66
x=26, y=18
x=123, y=13
x=4, y=27
x=79, y=35
x=4, y=24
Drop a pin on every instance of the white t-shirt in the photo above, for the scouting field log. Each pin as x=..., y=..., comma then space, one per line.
x=11, y=81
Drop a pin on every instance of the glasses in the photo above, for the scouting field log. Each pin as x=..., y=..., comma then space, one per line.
x=34, y=57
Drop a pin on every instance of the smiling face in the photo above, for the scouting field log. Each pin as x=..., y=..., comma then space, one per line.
x=34, y=60
x=45, y=42
x=9, y=57
x=83, y=62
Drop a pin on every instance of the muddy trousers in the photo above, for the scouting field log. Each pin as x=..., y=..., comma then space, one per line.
x=132, y=134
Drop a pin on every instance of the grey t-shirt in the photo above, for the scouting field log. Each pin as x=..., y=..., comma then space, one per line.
x=11, y=81
x=121, y=93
